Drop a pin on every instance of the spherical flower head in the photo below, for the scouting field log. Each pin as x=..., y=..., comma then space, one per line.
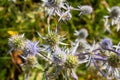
x=71, y=61
x=59, y=58
x=52, y=3
x=31, y=60
x=31, y=48
x=114, y=60
x=16, y=41
x=52, y=38
x=85, y=9
x=115, y=12
x=82, y=33
x=106, y=43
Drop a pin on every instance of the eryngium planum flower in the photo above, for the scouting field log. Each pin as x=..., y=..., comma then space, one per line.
x=111, y=67
x=106, y=43
x=115, y=12
x=113, y=19
x=85, y=9
x=31, y=48
x=31, y=60
x=82, y=33
x=71, y=61
x=52, y=38
x=53, y=5
x=17, y=42
x=59, y=57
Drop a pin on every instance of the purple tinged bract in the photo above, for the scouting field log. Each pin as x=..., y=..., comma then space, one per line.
x=31, y=48
x=106, y=43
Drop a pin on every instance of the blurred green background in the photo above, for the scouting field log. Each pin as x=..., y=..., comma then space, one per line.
x=27, y=16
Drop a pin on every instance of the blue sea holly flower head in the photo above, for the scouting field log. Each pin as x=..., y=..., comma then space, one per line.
x=114, y=16
x=53, y=5
x=31, y=48
x=92, y=56
x=65, y=59
x=29, y=62
x=111, y=67
x=85, y=9
x=59, y=57
x=79, y=49
x=17, y=42
x=106, y=43
x=82, y=33
x=71, y=61
x=110, y=59
x=81, y=43
x=52, y=39
x=115, y=12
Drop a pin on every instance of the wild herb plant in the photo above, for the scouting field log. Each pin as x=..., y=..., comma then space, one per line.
x=62, y=58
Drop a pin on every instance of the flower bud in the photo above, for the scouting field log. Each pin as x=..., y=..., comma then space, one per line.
x=31, y=60
x=72, y=61
x=115, y=12
x=114, y=60
x=106, y=43
x=85, y=9
x=17, y=41
x=82, y=33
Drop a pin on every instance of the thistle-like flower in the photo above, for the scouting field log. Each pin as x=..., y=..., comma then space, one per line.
x=115, y=12
x=53, y=5
x=31, y=48
x=31, y=60
x=30, y=63
x=59, y=57
x=106, y=43
x=81, y=43
x=111, y=67
x=66, y=60
x=82, y=33
x=109, y=59
x=71, y=61
x=85, y=9
x=114, y=17
x=17, y=42
x=53, y=40
x=92, y=56
x=113, y=60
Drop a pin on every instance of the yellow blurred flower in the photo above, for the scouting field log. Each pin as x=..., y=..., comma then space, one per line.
x=12, y=33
